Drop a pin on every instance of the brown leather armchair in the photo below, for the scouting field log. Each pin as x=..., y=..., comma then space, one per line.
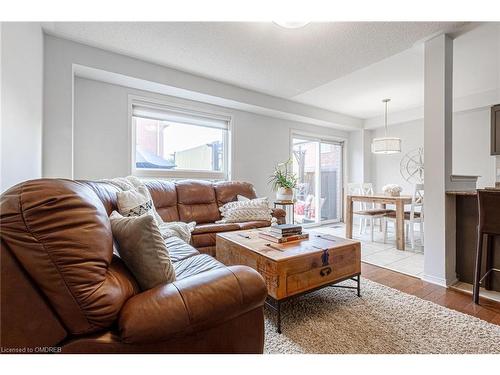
x=62, y=287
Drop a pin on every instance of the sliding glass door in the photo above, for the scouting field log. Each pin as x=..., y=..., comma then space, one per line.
x=318, y=164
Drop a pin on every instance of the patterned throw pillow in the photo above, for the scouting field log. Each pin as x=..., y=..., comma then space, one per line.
x=136, y=202
x=246, y=210
x=249, y=203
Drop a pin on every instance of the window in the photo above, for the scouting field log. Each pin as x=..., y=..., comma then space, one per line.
x=176, y=143
x=318, y=165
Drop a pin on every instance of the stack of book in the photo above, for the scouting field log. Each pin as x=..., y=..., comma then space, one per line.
x=284, y=233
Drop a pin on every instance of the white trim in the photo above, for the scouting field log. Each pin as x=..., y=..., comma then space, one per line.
x=439, y=280
x=134, y=99
x=72, y=165
x=318, y=137
x=167, y=81
x=314, y=136
x=179, y=174
x=221, y=121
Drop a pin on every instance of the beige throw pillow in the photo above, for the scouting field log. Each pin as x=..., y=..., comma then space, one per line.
x=245, y=210
x=142, y=248
x=261, y=203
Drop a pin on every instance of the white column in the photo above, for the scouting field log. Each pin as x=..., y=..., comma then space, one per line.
x=367, y=157
x=359, y=156
x=440, y=253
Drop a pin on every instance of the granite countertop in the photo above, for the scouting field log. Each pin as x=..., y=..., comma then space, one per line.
x=471, y=192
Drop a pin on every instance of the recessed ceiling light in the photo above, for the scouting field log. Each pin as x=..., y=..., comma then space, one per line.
x=291, y=24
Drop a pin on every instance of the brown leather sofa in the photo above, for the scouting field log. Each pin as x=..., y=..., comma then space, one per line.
x=62, y=289
x=200, y=201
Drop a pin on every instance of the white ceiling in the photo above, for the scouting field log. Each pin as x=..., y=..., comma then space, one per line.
x=343, y=67
x=260, y=56
x=360, y=94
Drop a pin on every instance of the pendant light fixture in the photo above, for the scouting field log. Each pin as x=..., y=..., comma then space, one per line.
x=385, y=144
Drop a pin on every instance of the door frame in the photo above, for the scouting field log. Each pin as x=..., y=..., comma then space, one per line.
x=317, y=137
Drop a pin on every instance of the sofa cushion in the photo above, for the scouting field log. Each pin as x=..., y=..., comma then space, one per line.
x=143, y=249
x=203, y=239
x=196, y=202
x=164, y=196
x=106, y=193
x=179, y=250
x=215, y=228
x=227, y=191
x=192, y=304
x=194, y=265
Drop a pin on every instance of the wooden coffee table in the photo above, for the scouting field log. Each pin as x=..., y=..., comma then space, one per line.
x=296, y=268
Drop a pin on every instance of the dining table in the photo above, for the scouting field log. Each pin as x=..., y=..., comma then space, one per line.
x=382, y=201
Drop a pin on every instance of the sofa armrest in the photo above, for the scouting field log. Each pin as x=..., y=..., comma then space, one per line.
x=279, y=214
x=191, y=304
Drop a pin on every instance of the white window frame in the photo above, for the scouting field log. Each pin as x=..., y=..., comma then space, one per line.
x=225, y=174
x=314, y=137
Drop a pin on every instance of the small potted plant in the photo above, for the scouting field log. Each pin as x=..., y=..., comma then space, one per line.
x=283, y=181
x=392, y=190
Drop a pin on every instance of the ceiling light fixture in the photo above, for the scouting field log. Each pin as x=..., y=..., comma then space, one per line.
x=291, y=24
x=386, y=145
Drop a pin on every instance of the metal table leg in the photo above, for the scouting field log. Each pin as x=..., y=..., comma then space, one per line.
x=359, y=285
x=278, y=310
x=276, y=306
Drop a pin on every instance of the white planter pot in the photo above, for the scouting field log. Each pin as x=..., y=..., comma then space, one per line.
x=284, y=194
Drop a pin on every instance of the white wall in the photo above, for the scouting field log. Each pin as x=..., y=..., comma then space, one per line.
x=21, y=102
x=355, y=157
x=359, y=156
x=385, y=168
x=471, y=146
x=471, y=149
x=63, y=58
x=102, y=135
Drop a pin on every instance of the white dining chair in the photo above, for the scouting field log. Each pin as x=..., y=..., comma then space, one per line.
x=412, y=217
x=368, y=212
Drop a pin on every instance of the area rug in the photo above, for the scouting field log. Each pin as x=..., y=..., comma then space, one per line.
x=383, y=320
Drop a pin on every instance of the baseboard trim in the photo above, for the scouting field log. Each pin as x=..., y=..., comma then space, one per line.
x=484, y=294
x=439, y=280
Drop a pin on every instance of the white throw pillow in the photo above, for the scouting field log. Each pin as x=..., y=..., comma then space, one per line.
x=250, y=203
x=137, y=203
x=246, y=210
x=243, y=214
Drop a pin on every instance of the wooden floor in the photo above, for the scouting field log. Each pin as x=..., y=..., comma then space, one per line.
x=489, y=311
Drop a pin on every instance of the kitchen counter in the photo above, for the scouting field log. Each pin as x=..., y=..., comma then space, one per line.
x=470, y=192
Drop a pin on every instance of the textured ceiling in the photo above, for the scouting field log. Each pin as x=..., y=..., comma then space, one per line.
x=399, y=77
x=476, y=70
x=259, y=56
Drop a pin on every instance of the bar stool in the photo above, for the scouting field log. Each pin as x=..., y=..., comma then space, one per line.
x=489, y=225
